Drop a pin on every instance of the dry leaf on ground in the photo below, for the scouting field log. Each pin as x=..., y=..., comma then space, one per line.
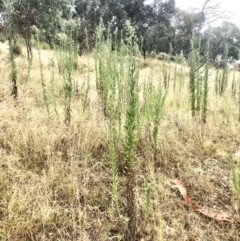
x=218, y=215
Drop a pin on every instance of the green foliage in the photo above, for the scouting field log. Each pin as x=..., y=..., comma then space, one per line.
x=156, y=24
x=158, y=101
x=131, y=127
x=117, y=78
x=111, y=73
x=226, y=34
x=131, y=123
x=193, y=76
x=164, y=57
x=150, y=21
x=198, y=84
x=179, y=59
x=239, y=100
x=148, y=189
x=151, y=110
x=186, y=23
x=45, y=94
x=224, y=80
x=206, y=87
x=234, y=85
x=117, y=82
x=235, y=178
x=222, y=75
x=52, y=61
x=67, y=62
x=44, y=14
x=217, y=80
x=87, y=84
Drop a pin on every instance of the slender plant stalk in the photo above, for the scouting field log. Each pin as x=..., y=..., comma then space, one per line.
x=86, y=93
x=217, y=82
x=235, y=178
x=234, y=85
x=158, y=101
x=239, y=99
x=148, y=198
x=198, y=84
x=192, y=75
x=224, y=77
x=43, y=83
x=67, y=57
x=131, y=128
x=205, y=87
x=52, y=61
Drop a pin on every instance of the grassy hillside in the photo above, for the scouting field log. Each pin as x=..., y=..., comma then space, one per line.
x=57, y=180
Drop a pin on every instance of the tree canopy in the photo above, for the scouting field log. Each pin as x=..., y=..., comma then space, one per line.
x=159, y=26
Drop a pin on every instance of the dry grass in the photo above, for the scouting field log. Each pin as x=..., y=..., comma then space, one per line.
x=45, y=197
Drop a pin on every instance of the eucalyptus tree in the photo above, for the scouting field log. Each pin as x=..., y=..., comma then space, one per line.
x=210, y=12
x=150, y=21
x=195, y=20
x=8, y=8
x=159, y=30
x=44, y=14
x=227, y=33
x=184, y=24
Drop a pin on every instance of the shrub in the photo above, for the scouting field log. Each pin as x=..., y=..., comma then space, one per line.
x=163, y=57
x=44, y=46
x=145, y=64
x=152, y=55
x=179, y=59
x=2, y=38
x=16, y=48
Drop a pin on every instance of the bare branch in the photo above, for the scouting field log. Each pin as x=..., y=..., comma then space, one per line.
x=211, y=13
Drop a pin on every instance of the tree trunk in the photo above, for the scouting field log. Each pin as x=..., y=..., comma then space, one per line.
x=29, y=49
x=28, y=37
x=49, y=41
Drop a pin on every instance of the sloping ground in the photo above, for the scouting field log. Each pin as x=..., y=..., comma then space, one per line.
x=56, y=181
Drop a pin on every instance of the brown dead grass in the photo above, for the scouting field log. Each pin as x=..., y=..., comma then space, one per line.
x=45, y=197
